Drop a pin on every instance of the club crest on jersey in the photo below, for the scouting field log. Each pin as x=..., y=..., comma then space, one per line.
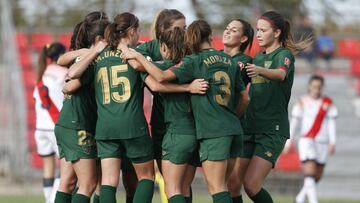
x=267, y=64
x=287, y=61
x=325, y=106
x=241, y=65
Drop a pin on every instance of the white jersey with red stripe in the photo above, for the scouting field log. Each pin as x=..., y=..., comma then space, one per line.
x=53, y=78
x=305, y=112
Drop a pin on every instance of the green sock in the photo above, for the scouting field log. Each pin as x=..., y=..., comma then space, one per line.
x=237, y=199
x=262, y=196
x=144, y=191
x=62, y=197
x=80, y=198
x=129, y=199
x=107, y=194
x=96, y=198
x=222, y=197
x=177, y=199
x=189, y=199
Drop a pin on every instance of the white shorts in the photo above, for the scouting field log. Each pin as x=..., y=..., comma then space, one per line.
x=310, y=150
x=46, y=142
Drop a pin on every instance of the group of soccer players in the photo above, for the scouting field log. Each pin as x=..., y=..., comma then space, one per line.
x=203, y=115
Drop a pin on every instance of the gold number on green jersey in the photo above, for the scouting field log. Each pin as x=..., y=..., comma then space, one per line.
x=224, y=97
x=124, y=82
x=81, y=137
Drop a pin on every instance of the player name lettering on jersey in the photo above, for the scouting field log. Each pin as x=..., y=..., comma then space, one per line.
x=217, y=59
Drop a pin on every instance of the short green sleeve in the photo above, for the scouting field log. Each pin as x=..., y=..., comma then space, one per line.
x=184, y=71
x=285, y=62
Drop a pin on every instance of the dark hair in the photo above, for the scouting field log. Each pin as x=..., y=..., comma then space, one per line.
x=286, y=40
x=198, y=32
x=93, y=25
x=119, y=28
x=53, y=52
x=174, y=40
x=165, y=19
x=73, y=36
x=318, y=78
x=248, y=31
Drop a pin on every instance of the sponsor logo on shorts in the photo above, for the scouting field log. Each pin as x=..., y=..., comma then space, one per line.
x=268, y=153
x=163, y=152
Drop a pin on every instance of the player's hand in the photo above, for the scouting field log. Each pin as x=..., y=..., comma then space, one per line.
x=198, y=86
x=252, y=70
x=128, y=53
x=332, y=149
x=99, y=46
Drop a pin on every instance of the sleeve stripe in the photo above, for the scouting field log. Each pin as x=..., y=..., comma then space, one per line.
x=283, y=68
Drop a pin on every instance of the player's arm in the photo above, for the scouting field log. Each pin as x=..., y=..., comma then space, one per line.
x=69, y=57
x=77, y=69
x=197, y=86
x=158, y=74
x=332, y=115
x=134, y=63
x=71, y=86
x=243, y=103
x=271, y=74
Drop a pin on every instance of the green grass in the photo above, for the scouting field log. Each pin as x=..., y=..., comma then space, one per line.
x=203, y=198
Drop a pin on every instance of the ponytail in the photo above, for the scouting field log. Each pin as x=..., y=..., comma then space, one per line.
x=111, y=36
x=248, y=31
x=73, y=45
x=81, y=37
x=174, y=40
x=53, y=52
x=198, y=32
x=42, y=63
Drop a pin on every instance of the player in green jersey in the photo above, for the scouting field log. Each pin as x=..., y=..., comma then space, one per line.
x=267, y=125
x=215, y=117
x=165, y=20
x=76, y=130
x=180, y=140
x=237, y=37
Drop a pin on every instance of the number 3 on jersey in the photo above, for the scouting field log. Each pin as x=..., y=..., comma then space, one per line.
x=124, y=92
x=224, y=97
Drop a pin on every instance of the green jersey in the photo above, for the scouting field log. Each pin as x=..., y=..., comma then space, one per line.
x=119, y=97
x=150, y=50
x=268, y=107
x=79, y=109
x=214, y=112
x=242, y=59
x=177, y=109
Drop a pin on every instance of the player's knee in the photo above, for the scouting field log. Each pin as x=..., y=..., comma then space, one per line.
x=234, y=185
x=250, y=187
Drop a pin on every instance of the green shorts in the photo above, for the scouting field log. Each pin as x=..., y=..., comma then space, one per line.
x=75, y=144
x=138, y=150
x=178, y=149
x=266, y=146
x=215, y=149
x=237, y=147
x=157, y=139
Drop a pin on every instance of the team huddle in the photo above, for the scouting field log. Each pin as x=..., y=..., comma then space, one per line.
x=220, y=110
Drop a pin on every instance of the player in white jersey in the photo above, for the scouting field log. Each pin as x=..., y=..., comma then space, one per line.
x=316, y=115
x=48, y=102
